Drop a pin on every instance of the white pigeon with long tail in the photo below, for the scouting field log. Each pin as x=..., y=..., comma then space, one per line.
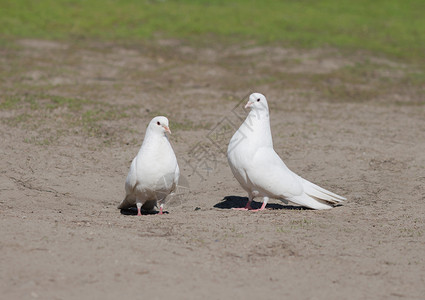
x=154, y=172
x=261, y=172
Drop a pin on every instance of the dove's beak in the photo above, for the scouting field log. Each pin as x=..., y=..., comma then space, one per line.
x=249, y=104
x=167, y=129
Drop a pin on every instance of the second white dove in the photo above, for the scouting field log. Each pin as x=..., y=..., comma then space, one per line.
x=261, y=172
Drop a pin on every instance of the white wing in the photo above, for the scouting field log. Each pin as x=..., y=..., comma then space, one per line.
x=176, y=178
x=269, y=174
x=130, y=184
x=272, y=177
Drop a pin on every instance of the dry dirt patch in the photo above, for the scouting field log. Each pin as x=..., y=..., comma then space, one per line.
x=73, y=117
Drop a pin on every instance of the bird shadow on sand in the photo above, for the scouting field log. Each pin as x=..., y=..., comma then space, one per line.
x=132, y=211
x=230, y=202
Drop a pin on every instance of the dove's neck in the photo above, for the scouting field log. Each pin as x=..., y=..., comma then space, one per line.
x=259, y=123
x=155, y=142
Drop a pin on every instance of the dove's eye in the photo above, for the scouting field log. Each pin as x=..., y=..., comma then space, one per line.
x=258, y=100
x=158, y=123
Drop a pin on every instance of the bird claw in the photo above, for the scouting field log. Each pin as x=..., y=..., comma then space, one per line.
x=258, y=209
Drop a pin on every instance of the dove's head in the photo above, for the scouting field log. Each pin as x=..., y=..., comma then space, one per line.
x=257, y=102
x=159, y=124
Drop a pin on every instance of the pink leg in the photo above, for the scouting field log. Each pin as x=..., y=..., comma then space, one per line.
x=160, y=209
x=247, y=206
x=139, y=206
x=263, y=206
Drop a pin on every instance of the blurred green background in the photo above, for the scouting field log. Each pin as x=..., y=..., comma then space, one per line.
x=394, y=28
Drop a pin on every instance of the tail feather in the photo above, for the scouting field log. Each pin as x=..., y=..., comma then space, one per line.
x=310, y=202
x=316, y=191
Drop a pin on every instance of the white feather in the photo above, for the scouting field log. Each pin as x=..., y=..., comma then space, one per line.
x=261, y=172
x=154, y=172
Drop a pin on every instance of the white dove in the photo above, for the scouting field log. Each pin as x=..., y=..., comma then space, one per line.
x=261, y=172
x=154, y=172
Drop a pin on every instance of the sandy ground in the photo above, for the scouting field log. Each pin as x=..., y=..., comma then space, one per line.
x=64, y=162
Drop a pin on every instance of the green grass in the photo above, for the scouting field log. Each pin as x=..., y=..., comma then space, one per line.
x=9, y=103
x=86, y=117
x=301, y=224
x=391, y=27
x=362, y=81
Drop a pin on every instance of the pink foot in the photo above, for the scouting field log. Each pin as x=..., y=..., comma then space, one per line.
x=161, y=209
x=258, y=209
x=247, y=207
x=263, y=207
x=138, y=212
